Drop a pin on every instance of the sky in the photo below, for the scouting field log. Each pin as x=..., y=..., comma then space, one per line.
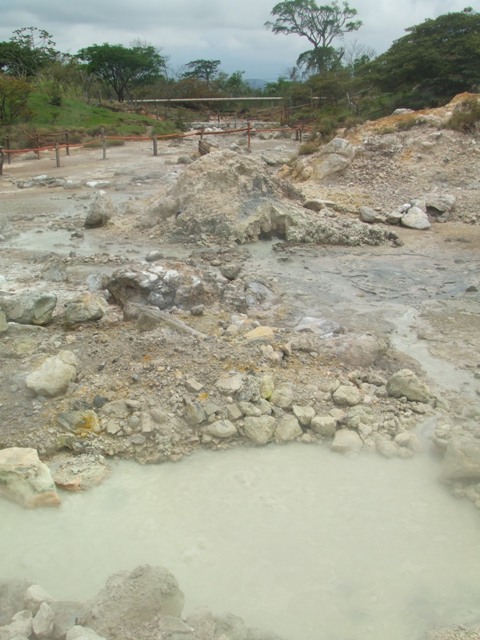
x=231, y=31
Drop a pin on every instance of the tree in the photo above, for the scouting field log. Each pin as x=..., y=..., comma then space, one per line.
x=14, y=94
x=28, y=50
x=320, y=25
x=124, y=68
x=202, y=70
x=435, y=60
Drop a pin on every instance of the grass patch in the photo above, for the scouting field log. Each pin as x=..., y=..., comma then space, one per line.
x=81, y=120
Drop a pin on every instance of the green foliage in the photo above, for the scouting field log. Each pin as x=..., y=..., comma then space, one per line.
x=434, y=61
x=123, y=68
x=14, y=94
x=27, y=52
x=466, y=116
x=204, y=70
x=320, y=25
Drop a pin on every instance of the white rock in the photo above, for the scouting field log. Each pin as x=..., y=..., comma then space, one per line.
x=25, y=479
x=54, y=375
x=43, y=621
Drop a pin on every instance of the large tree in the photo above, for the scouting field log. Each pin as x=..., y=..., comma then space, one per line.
x=435, y=60
x=320, y=25
x=124, y=68
x=204, y=70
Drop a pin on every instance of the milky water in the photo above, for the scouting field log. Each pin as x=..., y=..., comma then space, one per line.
x=294, y=538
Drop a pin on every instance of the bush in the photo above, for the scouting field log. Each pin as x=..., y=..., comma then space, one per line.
x=466, y=116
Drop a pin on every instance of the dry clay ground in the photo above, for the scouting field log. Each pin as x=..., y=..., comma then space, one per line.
x=421, y=298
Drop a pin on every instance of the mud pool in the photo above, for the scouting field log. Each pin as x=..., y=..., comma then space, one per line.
x=294, y=539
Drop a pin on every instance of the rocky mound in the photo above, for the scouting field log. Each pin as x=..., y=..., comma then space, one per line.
x=229, y=196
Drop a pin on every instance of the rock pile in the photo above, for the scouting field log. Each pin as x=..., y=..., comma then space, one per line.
x=143, y=604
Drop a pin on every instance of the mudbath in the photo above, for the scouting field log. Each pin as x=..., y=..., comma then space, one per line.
x=293, y=538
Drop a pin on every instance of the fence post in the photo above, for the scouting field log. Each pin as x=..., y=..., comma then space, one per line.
x=104, y=143
x=201, y=132
x=248, y=133
x=67, y=148
x=57, y=154
x=155, y=148
x=1, y=161
x=9, y=155
x=37, y=145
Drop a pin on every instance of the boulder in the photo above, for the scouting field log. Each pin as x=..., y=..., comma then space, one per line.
x=43, y=621
x=54, y=375
x=29, y=308
x=34, y=597
x=131, y=599
x=415, y=218
x=87, y=307
x=287, y=428
x=324, y=425
x=25, y=479
x=282, y=396
x=220, y=429
x=346, y=441
x=406, y=383
x=79, y=473
x=462, y=459
x=260, y=429
x=346, y=396
x=100, y=212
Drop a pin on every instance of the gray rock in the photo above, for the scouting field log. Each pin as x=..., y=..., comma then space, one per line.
x=43, y=621
x=462, y=459
x=346, y=396
x=303, y=414
x=87, y=307
x=3, y=322
x=54, y=375
x=357, y=350
x=25, y=479
x=101, y=210
x=131, y=599
x=346, y=441
x=438, y=203
x=367, y=214
x=324, y=426
x=287, y=428
x=34, y=597
x=415, y=218
x=406, y=383
x=220, y=429
x=230, y=270
x=21, y=624
x=259, y=430
x=230, y=383
x=79, y=473
x=194, y=413
x=282, y=396
x=29, y=308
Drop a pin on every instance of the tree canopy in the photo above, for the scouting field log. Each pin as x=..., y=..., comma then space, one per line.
x=27, y=52
x=124, y=68
x=202, y=70
x=320, y=25
x=436, y=59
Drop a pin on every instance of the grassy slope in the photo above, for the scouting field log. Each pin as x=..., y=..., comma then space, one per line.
x=81, y=120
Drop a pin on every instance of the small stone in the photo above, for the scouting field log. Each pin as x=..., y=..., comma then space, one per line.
x=346, y=396
x=221, y=429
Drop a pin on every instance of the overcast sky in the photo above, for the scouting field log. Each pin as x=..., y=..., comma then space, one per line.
x=228, y=30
